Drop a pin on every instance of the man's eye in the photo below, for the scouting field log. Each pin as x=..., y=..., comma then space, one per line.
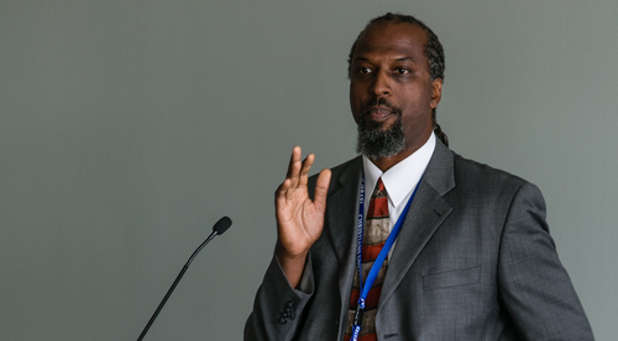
x=363, y=70
x=402, y=71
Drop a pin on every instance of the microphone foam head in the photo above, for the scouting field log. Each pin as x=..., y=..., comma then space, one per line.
x=222, y=225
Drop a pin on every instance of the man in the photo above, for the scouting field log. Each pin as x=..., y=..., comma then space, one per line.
x=472, y=259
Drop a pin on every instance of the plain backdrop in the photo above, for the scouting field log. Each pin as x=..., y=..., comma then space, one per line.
x=127, y=128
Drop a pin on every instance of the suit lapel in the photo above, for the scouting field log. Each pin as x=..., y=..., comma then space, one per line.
x=425, y=216
x=341, y=209
x=340, y=218
x=428, y=211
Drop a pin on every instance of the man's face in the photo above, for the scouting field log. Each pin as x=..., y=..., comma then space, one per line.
x=391, y=91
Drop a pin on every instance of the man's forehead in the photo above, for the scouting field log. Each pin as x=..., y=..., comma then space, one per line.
x=402, y=40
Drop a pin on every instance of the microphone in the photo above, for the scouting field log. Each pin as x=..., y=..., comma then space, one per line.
x=220, y=226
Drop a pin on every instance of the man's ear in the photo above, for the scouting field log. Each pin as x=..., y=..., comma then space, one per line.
x=436, y=92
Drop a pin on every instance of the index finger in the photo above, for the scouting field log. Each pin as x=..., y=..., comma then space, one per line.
x=294, y=159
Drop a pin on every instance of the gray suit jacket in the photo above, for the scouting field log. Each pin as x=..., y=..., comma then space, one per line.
x=474, y=261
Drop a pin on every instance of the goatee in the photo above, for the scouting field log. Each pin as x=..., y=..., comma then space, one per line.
x=376, y=143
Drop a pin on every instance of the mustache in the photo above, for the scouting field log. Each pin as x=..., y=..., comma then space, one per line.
x=382, y=103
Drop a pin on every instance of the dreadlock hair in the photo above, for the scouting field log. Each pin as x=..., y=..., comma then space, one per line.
x=433, y=51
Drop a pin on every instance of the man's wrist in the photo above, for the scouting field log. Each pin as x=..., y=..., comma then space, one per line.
x=284, y=255
x=292, y=265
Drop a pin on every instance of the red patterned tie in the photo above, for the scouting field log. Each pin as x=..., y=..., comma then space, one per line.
x=377, y=228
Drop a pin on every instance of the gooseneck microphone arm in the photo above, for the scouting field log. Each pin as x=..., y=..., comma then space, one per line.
x=221, y=226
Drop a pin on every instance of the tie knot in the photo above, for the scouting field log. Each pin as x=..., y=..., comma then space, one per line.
x=380, y=190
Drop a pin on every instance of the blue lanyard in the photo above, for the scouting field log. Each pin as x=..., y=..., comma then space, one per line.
x=377, y=264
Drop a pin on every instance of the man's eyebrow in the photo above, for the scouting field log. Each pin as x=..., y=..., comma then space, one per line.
x=403, y=59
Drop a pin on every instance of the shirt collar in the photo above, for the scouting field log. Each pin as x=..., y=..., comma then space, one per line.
x=400, y=179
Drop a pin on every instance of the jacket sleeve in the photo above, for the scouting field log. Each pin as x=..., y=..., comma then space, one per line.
x=534, y=287
x=278, y=306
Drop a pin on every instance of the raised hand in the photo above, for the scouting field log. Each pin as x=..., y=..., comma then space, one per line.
x=300, y=220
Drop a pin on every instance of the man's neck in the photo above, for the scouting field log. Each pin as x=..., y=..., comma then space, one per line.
x=387, y=162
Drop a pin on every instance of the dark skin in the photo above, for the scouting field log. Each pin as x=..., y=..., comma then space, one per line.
x=389, y=76
x=389, y=65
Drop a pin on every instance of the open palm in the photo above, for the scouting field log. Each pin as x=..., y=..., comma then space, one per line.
x=300, y=220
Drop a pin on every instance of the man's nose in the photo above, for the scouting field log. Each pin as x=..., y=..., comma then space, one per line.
x=381, y=84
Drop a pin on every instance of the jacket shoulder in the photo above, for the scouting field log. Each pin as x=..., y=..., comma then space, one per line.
x=486, y=181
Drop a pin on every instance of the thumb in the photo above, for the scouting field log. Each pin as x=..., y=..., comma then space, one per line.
x=321, y=188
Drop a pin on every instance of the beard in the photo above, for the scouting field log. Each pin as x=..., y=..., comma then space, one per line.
x=376, y=143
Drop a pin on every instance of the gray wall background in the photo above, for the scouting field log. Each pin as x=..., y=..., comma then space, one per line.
x=127, y=128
